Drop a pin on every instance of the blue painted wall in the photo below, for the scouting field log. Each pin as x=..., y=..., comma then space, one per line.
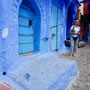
x=9, y=23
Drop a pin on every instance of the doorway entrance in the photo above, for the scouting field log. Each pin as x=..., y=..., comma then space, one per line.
x=26, y=25
x=55, y=28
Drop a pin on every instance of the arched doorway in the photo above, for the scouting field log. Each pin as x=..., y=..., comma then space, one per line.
x=27, y=24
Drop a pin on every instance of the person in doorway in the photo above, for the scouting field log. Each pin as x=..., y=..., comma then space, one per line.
x=74, y=36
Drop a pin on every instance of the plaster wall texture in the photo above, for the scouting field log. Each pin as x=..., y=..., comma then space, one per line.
x=9, y=58
x=9, y=21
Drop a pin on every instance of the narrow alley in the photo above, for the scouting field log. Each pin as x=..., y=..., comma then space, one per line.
x=83, y=60
x=35, y=41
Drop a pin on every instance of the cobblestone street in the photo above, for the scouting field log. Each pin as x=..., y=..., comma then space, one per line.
x=83, y=60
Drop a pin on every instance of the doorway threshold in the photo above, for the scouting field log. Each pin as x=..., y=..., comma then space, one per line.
x=27, y=54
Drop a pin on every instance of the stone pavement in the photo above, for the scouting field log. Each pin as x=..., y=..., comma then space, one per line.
x=44, y=73
x=83, y=60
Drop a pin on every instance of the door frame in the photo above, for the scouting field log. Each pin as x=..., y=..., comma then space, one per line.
x=56, y=29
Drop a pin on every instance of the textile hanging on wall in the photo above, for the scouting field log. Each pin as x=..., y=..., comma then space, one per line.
x=86, y=0
x=81, y=28
x=89, y=11
x=89, y=7
x=78, y=13
x=86, y=10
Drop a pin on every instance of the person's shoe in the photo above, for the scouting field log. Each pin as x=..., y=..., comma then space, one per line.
x=74, y=55
x=71, y=55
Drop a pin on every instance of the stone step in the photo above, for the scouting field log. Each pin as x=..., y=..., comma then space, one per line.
x=44, y=73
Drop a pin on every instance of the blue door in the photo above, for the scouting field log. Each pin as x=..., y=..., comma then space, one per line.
x=58, y=28
x=26, y=24
x=55, y=28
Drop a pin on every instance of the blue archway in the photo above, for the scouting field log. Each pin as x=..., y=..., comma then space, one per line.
x=29, y=13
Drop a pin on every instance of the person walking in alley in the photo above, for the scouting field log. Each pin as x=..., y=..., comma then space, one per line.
x=74, y=36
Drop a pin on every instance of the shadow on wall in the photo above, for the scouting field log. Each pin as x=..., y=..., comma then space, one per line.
x=71, y=17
